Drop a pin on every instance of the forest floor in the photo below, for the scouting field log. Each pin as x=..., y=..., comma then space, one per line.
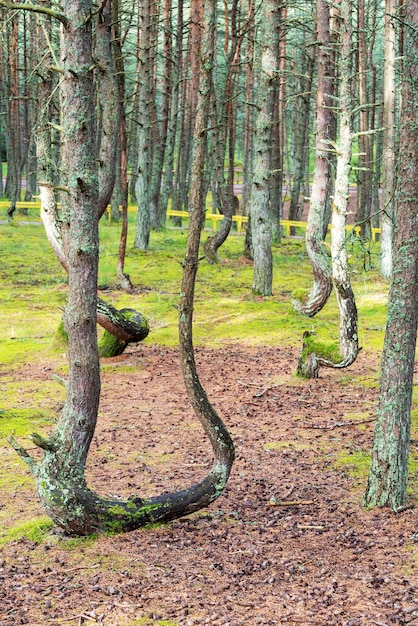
x=287, y=543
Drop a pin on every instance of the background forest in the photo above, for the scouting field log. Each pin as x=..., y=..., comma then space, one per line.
x=131, y=129
x=147, y=77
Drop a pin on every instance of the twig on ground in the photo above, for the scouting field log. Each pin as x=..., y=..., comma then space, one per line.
x=338, y=424
x=274, y=502
x=261, y=393
x=244, y=384
x=80, y=617
x=75, y=569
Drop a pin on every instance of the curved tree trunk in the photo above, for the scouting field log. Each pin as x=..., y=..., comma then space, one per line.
x=61, y=483
x=111, y=345
x=108, y=317
x=325, y=133
x=310, y=362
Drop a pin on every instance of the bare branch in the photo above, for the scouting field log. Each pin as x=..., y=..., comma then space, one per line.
x=35, y=8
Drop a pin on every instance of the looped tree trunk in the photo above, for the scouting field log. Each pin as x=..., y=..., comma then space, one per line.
x=60, y=480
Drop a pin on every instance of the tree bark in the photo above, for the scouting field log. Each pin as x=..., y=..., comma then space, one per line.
x=365, y=158
x=321, y=184
x=143, y=190
x=109, y=105
x=302, y=110
x=340, y=270
x=223, y=94
x=112, y=345
x=261, y=226
x=388, y=475
x=61, y=483
x=389, y=149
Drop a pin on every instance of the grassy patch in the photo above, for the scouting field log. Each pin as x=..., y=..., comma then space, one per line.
x=33, y=291
x=22, y=422
x=356, y=464
x=35, y=531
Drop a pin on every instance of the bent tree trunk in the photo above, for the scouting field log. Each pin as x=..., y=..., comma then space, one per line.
x=325, y=133
x=312, y=357
x=60, y=479
x=124, y=329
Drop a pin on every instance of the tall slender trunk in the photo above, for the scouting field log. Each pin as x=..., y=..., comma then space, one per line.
x=108, y=97
x=365, y=159
x=223, y=93
x=13, y=126
x=261, y=227
x=122, y=177
x=389, y=139
x=301, y=135
x=172, y=130
x=143, y=222
x=276, y=185
x=249, y=111
x=388, y=475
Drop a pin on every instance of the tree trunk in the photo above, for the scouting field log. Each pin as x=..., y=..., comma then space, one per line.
x=388, y=474
x=301, y=136
x=174, y=86
x=340, y=270
x=261, y=226
x=223, y=92
x=249, y=112
x=168, y=128
x=60, y=478
x=12, y=83
x=109, y=107
x=389, y=149
x=143, y=190
x=325, y=133
x=365, y=158
x=111, y=345
x=122, y=175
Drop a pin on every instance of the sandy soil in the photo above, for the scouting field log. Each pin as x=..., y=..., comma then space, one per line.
x=287, y=543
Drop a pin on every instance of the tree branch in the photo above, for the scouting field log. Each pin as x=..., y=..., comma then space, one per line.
x=24, y=454
x=35, y=8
